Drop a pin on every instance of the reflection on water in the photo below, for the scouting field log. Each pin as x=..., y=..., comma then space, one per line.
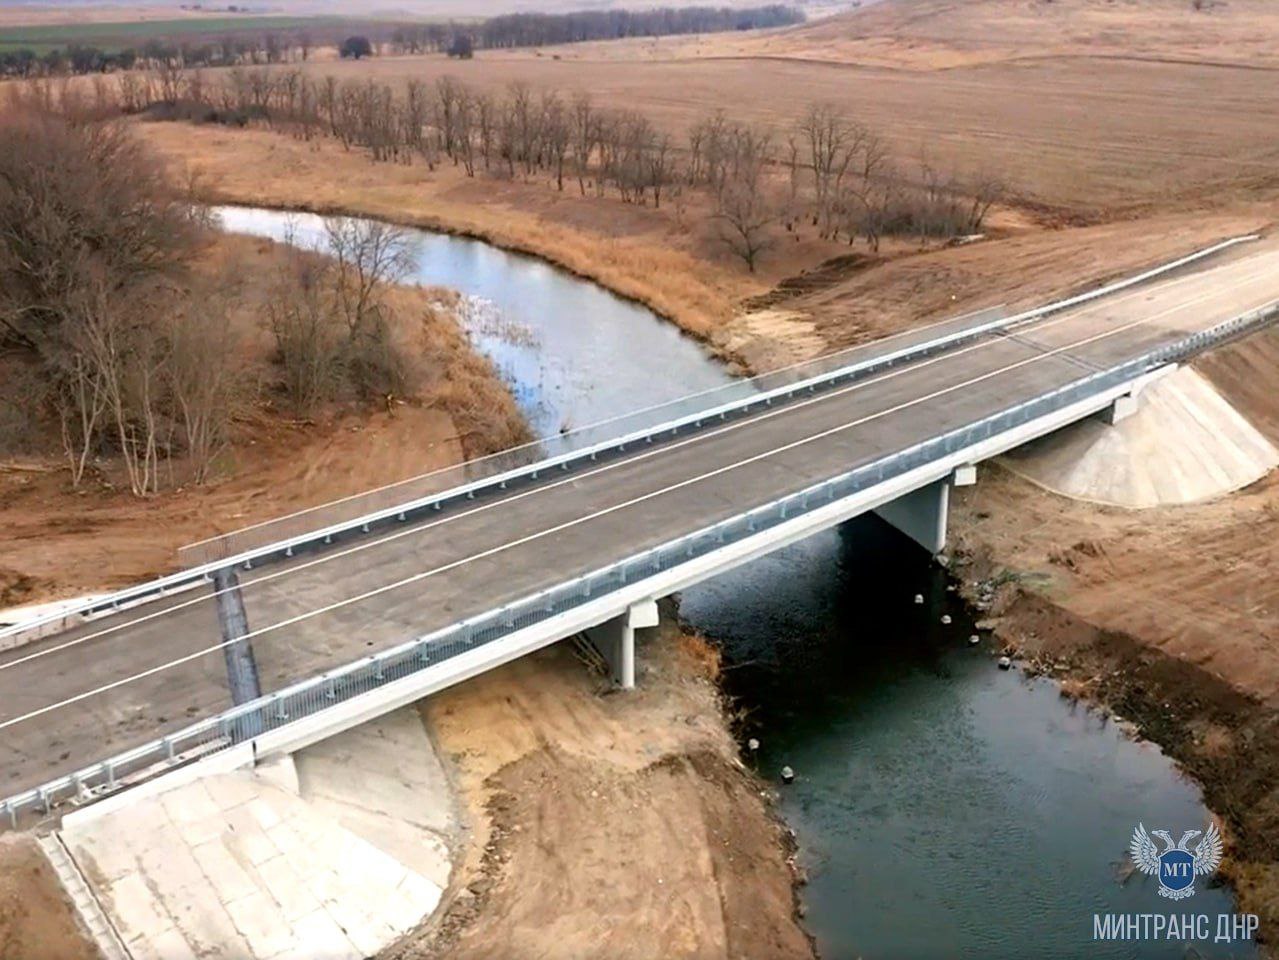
x=573, y=353
x=943, y=808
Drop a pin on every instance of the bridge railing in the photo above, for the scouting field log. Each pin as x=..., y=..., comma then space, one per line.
x=400, y=503
x=732, y=398
x=319, y=693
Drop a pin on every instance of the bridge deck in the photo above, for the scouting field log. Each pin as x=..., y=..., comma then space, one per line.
x=325, y=609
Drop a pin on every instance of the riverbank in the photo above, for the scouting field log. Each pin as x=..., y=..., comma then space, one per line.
x=60, y=541
x=807, y=297
x=606, y=823
x=1165, y=618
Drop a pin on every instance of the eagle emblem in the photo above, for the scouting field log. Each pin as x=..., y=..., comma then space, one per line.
x=1177, y=866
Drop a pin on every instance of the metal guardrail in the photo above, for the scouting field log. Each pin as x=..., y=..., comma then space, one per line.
x=912, y=344
x=311, y=696
x=523, y=464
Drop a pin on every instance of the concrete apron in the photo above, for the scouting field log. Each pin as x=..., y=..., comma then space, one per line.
x=335, y=852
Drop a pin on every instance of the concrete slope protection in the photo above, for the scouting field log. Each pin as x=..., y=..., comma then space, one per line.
x=78, y=696
x=1184, y=444
x=293, y=859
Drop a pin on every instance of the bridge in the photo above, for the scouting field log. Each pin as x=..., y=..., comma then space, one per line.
x=282, y=634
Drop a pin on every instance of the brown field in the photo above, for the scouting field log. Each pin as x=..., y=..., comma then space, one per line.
x=1084, y=137
x=30, y=14
x=25, y=14
x=940, y=34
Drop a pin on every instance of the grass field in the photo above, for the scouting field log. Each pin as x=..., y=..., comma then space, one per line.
x=115, y=36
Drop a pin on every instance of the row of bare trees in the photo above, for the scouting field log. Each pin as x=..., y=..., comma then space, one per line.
x=112, y=337
x=841, y=175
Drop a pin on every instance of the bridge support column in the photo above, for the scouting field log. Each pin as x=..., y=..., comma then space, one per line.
x=241, y=667
x=615, y=640
x=921, y=514
x=1121, y=409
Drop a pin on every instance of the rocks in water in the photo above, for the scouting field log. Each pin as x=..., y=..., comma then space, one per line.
x=752, y=745
x=788, y=775
x=974, y=639
x=919, y=598
x=1005, y=663
x=945, y=619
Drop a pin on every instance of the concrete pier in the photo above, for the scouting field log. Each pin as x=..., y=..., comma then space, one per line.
x=615, y=640
x=921, y=514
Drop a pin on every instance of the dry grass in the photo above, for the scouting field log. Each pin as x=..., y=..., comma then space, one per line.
x=646, y=255
x=458, y=380
x=1081, y=137
x=698, y=656
x=940, y=34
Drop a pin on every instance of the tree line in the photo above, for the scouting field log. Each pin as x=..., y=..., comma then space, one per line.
x=541, y=29
x=826, y=170
x=251, y=48
x=111, y=338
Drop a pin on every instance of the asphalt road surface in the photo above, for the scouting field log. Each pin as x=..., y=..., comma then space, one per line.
x=81, y=696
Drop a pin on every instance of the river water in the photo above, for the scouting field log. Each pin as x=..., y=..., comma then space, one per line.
x=943, y=807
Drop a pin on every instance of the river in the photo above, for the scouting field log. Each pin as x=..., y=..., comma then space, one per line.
x=943, y=807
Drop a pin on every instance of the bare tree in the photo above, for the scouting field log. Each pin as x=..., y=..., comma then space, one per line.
x=744, y=211
x=556, y=134
x=834, y=142
x=307, y=330
x=584, y=125
x=203, y=374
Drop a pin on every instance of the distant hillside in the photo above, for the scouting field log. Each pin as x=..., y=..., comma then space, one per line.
x=941, y=33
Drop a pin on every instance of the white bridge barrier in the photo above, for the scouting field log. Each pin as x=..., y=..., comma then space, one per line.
x=320, y=706
x=524, y=464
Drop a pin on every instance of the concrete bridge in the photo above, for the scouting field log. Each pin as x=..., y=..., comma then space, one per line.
x=333, y=617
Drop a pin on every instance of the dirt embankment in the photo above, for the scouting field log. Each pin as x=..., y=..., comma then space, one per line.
x=59, y=541
x=607, y=824
x=1169, y=617
x=37, y=922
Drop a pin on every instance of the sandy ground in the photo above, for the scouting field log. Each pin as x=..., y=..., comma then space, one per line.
x=37, y=922
x=607, y=824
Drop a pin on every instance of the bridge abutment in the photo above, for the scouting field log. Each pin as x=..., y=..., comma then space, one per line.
x=615, y=640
